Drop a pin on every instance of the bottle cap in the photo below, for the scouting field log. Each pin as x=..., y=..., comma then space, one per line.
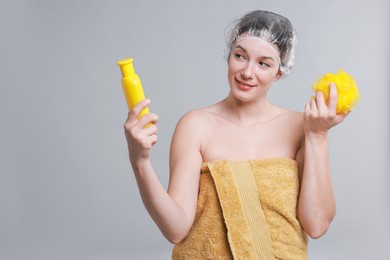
x=126, y=66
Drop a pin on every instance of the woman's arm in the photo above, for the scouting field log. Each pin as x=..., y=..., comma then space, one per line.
x=173, y=212
x=316, y=205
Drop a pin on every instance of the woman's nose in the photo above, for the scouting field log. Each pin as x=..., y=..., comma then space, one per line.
x=247, y=71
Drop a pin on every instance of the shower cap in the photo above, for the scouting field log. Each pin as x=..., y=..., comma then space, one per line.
x=268, y=26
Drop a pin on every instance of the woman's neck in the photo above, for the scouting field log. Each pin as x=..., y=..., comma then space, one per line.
x=249, y=112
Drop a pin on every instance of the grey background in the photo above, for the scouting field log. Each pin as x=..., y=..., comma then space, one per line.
x=66, y=186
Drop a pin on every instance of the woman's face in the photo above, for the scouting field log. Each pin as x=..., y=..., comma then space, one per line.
x=252, y=68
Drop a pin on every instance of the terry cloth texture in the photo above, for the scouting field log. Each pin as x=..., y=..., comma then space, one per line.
x=246, y=210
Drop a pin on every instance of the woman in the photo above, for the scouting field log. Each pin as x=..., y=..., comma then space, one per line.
x=248, y=179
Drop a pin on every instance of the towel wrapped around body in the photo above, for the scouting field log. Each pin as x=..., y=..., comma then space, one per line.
x=246, y=210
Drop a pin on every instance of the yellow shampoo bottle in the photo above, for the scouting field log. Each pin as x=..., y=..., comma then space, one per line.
x=132, y=86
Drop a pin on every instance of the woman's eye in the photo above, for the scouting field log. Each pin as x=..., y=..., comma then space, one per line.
x=263, y=64
x=239, y=56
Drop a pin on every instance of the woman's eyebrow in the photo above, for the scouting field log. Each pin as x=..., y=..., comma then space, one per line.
x=262, y=57
x=242, y=48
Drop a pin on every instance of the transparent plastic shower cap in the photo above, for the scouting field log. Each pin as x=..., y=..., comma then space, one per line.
x=268, y=26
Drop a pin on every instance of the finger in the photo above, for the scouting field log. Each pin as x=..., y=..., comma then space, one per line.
x=313, y=105
x=342, y=116
x=148, y=119
x=147, y=141
x=133, y=114
x=136, y=126
x=153, y=140
x=307, y=107
x=308, y=111
x=320, y=100
x=332, y=104
x=136, y=110
x=130, y=121
x=151, y=130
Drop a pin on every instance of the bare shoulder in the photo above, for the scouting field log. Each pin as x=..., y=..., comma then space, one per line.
x=294, y=121
x=193, y=117
x=290, y=117
x=199, y=118
x=295, y=117
x=188, y=137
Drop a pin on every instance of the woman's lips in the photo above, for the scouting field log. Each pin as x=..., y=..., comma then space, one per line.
x=243, y=85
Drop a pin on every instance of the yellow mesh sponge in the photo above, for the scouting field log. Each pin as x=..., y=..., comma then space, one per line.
x=348, y=93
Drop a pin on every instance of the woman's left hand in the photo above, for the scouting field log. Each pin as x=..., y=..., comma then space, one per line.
x=319, y=117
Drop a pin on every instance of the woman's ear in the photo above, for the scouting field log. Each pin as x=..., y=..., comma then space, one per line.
x=278, y=75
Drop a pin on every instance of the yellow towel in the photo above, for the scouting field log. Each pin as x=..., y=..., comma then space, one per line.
x=246, y=210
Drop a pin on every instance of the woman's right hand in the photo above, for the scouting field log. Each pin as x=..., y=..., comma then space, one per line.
x=140, y=138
